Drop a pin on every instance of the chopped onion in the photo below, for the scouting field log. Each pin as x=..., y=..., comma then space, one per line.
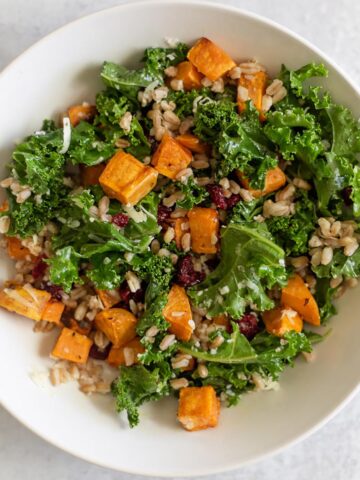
x=66, y=135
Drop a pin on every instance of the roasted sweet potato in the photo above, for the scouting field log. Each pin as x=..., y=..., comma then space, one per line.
x=189, y=75
x=53, y=312
x=170, y=157
x=109, y=298
x=90, y=175
x=210, y=59
x=296, y=295
x=181, y=226
x=223, y=320
x=83, y=327
x=199, y=408
x=177, y=312
x=127, y=179
x=84, y=112
x=204, y=229
x=4, y=206
x=275, y=179
x=256, y=86
x=193, y=143
x=117, y=357
x=27, y=301
x=281, y=320
x=72, y=346
x=118, y=325
x=16, y=250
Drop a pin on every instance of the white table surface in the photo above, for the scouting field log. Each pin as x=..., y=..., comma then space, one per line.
x=333, y=453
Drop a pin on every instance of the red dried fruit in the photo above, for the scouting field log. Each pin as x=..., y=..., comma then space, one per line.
x=346, y=194
x=54, y=290
x=40, y=267
x=120, y=219
x=249, y=325
x=98, y=354
x=186, y=274
x=126, y=294
x=217, y=196
x=233, y=200
x=163, y=214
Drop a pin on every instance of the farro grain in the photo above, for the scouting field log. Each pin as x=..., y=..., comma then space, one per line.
x=4, y=224
x=315, y=241
x=278, y=209
x=132, y=281
x=327, y=255
x=224, y=182
x=177, y=85
x=352, y=282
x=251, y=67
x=311, y=281
x=202, y=181
x=163, y=252
x=235, y=73
x=152, y=331
x=274, y=87
x=218, y=86
x=214, y=238
x=184, y=174
x=133, y=306
x=186, y=242
x=6, y=182
x=101, y=340
x=299, y=262
x=174, y=258
x=160, y=93
x=245, y=195
x=43, y=326
x=286, y=193
x=300, y=183
x=167, y=341
x=178, y=213
x=280, y=95
x=172, y=118
x=202, y=370
x=335, y=228
x=122, y=143
x=169, y=235
x=335, y=282
x=324, y=225
x=266, y=103
x=129, y=356
x=219, y=340
x=171, y=71
x=179, y=383
x=102, y=387
x=155, y=246
x=186, y=125
x=80, y=311
x=234, y=187
x=125, y=122
x=316, y=258
x=349, y=250
x=242, y=93
x=172, y=199
x=200, y=164
x=23, y=195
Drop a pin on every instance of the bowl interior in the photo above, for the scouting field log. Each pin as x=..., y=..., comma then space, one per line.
x=63, y=69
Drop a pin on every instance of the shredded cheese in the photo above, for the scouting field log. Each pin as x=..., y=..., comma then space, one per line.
x=66, y=135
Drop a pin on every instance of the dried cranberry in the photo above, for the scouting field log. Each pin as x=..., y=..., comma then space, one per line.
x=217, y=196
x=346, y=194
x=186, y=274
x=126, y=294
x=248, y=325
x=40, y=267
x=97, y=353
x=54, y=290
x=163, y=214
x=120, y=219
x=233, y=200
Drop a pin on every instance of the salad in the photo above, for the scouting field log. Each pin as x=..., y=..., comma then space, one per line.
x=188, y=232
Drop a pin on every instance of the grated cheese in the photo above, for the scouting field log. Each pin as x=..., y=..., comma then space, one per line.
x=66, y=135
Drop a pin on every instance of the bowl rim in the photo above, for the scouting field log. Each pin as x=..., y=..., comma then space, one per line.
x=214, y=5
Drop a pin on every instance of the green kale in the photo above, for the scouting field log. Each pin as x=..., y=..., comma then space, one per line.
x=250, y=264
x=244, y=212
x=184, y=101
x=149, y=227
x=340, y=266
x=137, y=385
x=158, y=59
x=292, y=233
x=64, y=268
x=193, y=194
x=324, y=295
x=106, y=271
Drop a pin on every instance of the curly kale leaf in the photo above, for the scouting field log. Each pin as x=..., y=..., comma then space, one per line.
x=250, y=263
x=193, y=194
x=158, y=59
x=64, y=268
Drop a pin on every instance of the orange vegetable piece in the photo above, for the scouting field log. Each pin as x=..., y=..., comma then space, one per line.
x=118, y=325
x=77, y=113
x=16, y=250
x=90, y=175
x=177, y=312
x=179, y=225
x=204, y=229
x=281, y=320
x=127, y=179
x=116, y=355
x=109, y=298
x=210, y=59
x=4, y=206
x=199, y=408
x=29, y=302
x=83, y=326
x=171, y=157
x=222, y=320
x=275, y=179
x=53, y=312
x=72, y=346
x=189, y=75
x=256, y=86
x=297, y=296
x=193, y=143
x=190, y=367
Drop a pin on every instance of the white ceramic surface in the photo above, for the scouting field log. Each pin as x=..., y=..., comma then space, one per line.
x=62, y=69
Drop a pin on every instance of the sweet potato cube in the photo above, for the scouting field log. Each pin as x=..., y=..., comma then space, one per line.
x=171, y=157
x=109, y=298
x=77, y=113
x=90, y=175
x=177, y=312
x=83, y=327
x=127, y=179
x=118, y=325
x=27, y=301
x=256, y=86
x=53, y=312
x=274, y=180
x=16, y=250
x=223, y=321
x=193, y=143
x=199, y=408
x=120, y=356
x=181, y=226
x=72, y=346
x=281, y=320
x=189, y=75
x=4, y=206
x=210, y=59
x=296, y=295
x=204, y=229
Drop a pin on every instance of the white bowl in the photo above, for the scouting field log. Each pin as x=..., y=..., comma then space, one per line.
x=62, y=69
